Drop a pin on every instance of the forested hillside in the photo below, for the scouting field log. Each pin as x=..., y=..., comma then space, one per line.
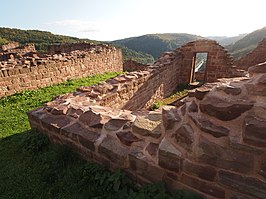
x=156, y=44
x=247, y=43
x=42, y=39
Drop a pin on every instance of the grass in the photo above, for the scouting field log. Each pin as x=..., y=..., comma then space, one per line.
x=32, y=167
x=180, y=92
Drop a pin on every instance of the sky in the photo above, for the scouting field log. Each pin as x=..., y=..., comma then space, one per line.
x=107, y=20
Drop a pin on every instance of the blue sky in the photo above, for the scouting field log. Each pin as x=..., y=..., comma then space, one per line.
x=116, y=19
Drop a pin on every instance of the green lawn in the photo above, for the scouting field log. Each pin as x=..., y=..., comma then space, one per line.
x=32, y=167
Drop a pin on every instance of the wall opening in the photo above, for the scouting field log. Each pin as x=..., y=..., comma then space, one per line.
x=199, y=65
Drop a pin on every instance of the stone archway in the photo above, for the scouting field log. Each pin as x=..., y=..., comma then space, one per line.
x=218, y=63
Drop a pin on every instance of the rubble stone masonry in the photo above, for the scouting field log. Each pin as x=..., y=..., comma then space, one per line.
x=213, y=143
x=28, y=70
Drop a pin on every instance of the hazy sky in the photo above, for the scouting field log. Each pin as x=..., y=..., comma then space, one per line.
x=116, y=19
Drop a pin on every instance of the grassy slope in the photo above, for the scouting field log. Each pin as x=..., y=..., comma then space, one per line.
x=32, y=167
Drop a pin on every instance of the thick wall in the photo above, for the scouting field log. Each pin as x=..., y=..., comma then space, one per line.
x=258, y=55
x=33, y=72
x=214, y=143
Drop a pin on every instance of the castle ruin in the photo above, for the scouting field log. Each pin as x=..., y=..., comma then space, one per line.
x=212, y=142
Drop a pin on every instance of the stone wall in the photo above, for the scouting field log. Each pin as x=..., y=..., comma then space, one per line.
x=131, y=65
x=18, y=73
x=258, y=55
x=214, y=143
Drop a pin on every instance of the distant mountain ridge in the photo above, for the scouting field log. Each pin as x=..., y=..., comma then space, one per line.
x=247, y=43
x=224, y=40
x=42, y=40
x=156, y=44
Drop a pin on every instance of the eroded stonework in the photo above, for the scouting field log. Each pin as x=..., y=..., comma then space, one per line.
x=213, y=144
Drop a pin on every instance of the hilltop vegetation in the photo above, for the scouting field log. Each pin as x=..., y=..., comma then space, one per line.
x=225, y=41
x=42, y=39
x=247, y=43
x=156, y=44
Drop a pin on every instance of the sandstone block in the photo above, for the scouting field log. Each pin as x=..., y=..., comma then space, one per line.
x=170, y=117
x=146, y=127
x=243, y=184
x=78, y=133
x=139, y=163
x=114, y=151
x=193, y=107
x=205, y=172
x=210, y=128
x=115, y=124
x=93, y=119
x=169, y=156
x=224, y=110
x=255, y=131
x=185, y=136
x=221, y=157
x=127, y=138
x=54, y=123
x=203, y=186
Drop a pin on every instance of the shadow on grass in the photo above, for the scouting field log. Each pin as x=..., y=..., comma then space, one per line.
x=32, y=167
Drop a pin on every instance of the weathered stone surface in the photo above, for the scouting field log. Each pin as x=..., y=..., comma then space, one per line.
x=193, y=107
x=205, y=172
x=262, y=79
x=169, y=156
x=92, y=119
x=115, y=124
x=259, y=68
x=152, y=149
x=248, y=185
x=80, y=134
x=185, y=136
x=259, y=89
x=213, y=154
x=147, y=127
x=114, y=151
x=139, y=163
x=170, y=117
x=262, y=171
x=60, y=110
x=230, y=90
x=54, y=123
x=224, y=110
x=203, y=186
x=208, y=127
x=255, y=131
x=127, y=137
x=201, y=92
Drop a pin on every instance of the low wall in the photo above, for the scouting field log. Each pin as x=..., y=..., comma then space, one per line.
x=33, y=72
x=214, y=144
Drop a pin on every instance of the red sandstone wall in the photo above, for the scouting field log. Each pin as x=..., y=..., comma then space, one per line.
x=213, y=144
x=131, y=65
x=258, y=55
x=32, y=73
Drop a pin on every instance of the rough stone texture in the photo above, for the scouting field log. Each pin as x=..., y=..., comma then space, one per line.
x=170, y=157
x=208, y=127
x=185, y=136
x=27, y=70
x=111, y=149
x=146, y=127
x=248, y=185
x=217, y=151
x=202, y=171
x=221, y=157
x=255, y=131
x=224, y=110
